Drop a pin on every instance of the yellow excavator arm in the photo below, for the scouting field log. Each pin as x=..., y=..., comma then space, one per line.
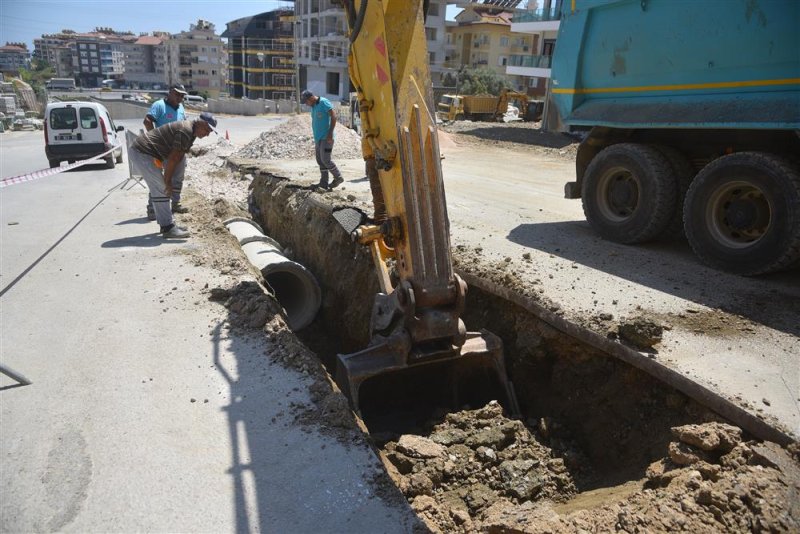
x=417, y=319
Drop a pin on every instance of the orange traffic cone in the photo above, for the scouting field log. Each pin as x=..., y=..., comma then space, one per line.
x=227, y=137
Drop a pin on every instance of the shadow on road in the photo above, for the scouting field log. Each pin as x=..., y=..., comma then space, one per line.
x=138, y=220
x=148, y=240
x=522, y=135
x=672, y=268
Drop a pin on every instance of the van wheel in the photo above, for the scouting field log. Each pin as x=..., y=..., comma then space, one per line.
x=54, y=163
x=629, y=193
x=110, y=163
x=740, y=213
x=119, y=158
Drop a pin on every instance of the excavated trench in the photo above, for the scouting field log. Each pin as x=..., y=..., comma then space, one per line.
x=589, y=420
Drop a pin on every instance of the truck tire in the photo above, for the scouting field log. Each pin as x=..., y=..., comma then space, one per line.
x=741, y=213
x=110, y=163
x=629, y=193
x=684, y=173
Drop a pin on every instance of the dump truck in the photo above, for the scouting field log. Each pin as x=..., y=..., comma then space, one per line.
x=693, y=118
x=487, y=107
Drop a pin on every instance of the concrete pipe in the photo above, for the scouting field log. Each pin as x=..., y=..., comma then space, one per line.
x=295, y=287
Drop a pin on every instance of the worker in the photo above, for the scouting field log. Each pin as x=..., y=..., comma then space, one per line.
x=164, y=111
x=168, y=144
x=323, y=122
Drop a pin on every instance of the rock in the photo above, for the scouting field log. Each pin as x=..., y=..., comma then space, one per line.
x=683, y=454
x=420, y=484
x=496, y=437
x=219, y=294
x=419, y=447
x=641, y=333
x=449, y=436
x=519, y=480
x=709, y=436
x=480, y=496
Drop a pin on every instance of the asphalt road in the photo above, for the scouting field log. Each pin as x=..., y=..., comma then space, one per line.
x=145, y=413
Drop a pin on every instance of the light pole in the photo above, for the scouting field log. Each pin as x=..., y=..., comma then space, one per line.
x=260, y=57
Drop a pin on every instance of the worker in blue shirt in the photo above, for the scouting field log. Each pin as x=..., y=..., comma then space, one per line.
x=164, y=111
x=323, y=121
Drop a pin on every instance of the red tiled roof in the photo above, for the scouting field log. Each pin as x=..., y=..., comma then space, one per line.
x=148, y=40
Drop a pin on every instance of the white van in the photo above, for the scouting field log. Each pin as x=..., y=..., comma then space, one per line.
x=80, y=130
x=194, y=100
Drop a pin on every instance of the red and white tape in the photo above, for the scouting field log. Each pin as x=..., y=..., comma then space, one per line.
x=5, y=182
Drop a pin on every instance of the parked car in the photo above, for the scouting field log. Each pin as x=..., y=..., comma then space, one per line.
x=80, y=130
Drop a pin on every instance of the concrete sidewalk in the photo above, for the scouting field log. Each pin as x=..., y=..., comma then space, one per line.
x=146, y=413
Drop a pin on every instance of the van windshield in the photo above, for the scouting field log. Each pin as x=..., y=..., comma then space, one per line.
x=88, y=118
x=63, y=119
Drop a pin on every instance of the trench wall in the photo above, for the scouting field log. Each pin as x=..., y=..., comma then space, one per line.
x=619, y=414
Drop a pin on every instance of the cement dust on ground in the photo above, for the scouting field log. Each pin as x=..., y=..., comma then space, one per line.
x=479, y=471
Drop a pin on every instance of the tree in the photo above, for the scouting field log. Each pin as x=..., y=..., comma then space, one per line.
x=477, y=81
x=37, y=75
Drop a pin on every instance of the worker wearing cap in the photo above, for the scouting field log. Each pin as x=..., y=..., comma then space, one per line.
x=168, y=143
x=323, y=121
x=164, y=111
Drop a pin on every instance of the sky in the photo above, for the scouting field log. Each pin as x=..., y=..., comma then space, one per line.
x=25, y=20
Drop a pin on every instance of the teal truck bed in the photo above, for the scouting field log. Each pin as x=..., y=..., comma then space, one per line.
x=693, y=112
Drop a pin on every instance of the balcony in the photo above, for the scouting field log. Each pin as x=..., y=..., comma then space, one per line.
x=536, y=62
x=533, y=66
x=538, y=15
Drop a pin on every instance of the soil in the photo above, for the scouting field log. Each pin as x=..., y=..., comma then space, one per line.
x=512, y=135
x=476, y=469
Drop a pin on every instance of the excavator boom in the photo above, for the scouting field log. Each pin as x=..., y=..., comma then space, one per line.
x=418, y=319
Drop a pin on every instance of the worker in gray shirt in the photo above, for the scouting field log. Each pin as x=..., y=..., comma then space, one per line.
x=168, y=144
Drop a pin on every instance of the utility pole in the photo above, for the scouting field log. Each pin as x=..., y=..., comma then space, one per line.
x=297, y=34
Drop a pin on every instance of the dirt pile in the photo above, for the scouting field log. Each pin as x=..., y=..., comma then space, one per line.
x=293, y=140
x=512, y=135
x=481, y=472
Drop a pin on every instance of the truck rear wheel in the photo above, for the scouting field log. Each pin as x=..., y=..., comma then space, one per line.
x=684, y=172
x=741, y=213
x=629, y=193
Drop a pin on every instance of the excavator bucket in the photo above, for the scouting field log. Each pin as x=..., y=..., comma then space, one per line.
x=386, y=381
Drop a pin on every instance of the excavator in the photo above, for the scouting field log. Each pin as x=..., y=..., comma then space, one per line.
x=416, y=322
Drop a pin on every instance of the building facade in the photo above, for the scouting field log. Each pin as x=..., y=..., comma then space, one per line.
x=146, y=62
x=540, y=22
x=261, y=56
x=13, y=57
x=482, y=38
x=323, y=46
x=196, y=58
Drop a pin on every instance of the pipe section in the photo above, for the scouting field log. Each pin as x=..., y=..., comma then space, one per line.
x=296, y=289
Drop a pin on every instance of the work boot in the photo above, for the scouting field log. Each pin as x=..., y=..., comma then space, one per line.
x=174, y=232
x=151, y=214
x=177, y=207
x=336, y=181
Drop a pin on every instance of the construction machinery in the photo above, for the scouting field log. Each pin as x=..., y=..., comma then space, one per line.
x=486, y=107
x=693, y=114
x=416, y=317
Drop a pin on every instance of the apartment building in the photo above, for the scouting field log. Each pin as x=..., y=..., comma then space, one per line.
x=540, y=22
x=261, y=56
x=99, y=56
x=55, y=50
x=482, y=38
x=147, y=61
x=196, y=58
x=323, y=46
x=13, y=57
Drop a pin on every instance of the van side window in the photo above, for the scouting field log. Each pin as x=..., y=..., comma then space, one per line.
x=63, y=119
x=88, y=118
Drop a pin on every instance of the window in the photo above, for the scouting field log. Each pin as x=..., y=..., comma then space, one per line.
x=332, y=83
x=433, y=10
x=432, y=58
x=430, y=34
x=502, y=61
x=504, y=41
x=63, y=119
x=533, y=82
